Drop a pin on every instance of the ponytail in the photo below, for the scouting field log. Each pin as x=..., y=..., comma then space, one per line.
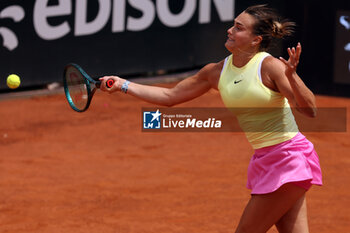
x=282, y=29
x=269, y=25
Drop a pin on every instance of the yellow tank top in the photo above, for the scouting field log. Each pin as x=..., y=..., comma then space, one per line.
x=264, y=115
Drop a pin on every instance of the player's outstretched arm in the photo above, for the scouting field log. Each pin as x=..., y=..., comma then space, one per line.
x=187, y=89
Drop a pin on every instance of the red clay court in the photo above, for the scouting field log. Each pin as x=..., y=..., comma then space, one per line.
x=96, y=172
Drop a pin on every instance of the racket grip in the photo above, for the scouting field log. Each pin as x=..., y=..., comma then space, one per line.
x=109, y=83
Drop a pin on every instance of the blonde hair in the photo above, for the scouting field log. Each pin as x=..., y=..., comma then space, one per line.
x=269, y=25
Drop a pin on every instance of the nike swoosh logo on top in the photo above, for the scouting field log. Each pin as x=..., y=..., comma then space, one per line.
x=237, y=81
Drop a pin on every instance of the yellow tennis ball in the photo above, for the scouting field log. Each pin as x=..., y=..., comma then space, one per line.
x=13, y=81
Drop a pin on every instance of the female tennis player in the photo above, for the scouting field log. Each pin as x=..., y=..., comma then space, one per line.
x=285, y=164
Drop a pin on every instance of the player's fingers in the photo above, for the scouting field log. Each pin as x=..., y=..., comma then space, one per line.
x=102, y=85
x=289, y=52
x=104, y=81
x=110, y=83
x=287, y=63
x=284, y=61
x=298, y=52
x=293, y=57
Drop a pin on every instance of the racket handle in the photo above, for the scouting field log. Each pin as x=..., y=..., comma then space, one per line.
x=109, y=83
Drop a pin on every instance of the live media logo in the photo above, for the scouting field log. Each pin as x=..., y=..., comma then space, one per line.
x=223, y=120
x=151, y=120
x=177, y=120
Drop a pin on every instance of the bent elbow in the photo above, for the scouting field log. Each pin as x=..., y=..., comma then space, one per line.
x=309, y=112
x=312, y=113
x=169, y=100
x=169, y=105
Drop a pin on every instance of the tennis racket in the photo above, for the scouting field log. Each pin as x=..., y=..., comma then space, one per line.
x=79, y=87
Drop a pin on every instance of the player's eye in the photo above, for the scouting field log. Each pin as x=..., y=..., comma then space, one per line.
x=237, y=28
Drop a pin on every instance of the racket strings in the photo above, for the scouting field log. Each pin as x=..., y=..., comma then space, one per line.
x=78, y=89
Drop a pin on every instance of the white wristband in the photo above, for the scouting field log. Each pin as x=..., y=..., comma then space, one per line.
x=125, y=86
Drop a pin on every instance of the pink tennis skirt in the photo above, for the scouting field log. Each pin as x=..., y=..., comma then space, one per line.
x=293, y=161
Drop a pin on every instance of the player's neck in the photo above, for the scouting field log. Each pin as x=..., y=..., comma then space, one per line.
x=241, y=60
x=241, y=57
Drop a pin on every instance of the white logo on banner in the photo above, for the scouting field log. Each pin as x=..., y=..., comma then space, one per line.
x=16, y=13
x=347, y=47
x=343, y=21
x=116, y=11
x=109, y=10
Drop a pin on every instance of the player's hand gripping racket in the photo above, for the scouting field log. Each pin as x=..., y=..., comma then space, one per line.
x=79, y=87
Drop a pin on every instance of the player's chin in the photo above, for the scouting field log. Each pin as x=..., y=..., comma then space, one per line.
x=229, y=45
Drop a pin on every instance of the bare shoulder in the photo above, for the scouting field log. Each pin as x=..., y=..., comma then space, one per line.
x=211, y=73
x=271, y=62
x=272, y=67
x=211, y=68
